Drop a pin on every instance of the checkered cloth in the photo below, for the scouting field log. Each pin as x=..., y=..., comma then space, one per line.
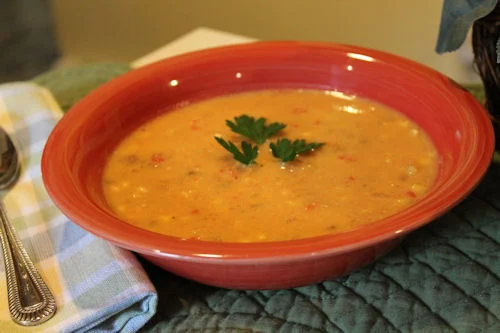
x=98, y=287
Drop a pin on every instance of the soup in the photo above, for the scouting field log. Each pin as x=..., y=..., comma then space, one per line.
x=172, y=177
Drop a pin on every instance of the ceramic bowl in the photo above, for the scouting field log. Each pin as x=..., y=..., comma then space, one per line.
x=76, y=151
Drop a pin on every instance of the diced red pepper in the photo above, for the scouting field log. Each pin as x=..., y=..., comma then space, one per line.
x=411, y=194
x=311, y=206
x=194, y=125
x=347, y=158
x=157, y=158
x=300, y=110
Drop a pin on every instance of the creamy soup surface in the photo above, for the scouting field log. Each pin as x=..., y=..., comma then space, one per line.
x=171, y=176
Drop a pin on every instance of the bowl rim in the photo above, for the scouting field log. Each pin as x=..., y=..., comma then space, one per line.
x=150, y=243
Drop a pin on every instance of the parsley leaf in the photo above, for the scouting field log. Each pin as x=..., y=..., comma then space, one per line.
x=248, y=152
x=283, y=149
x=255, y=130
x=287, y=150
x=302, y=147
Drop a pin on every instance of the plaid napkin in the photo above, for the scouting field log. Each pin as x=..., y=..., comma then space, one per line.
x=98, y=287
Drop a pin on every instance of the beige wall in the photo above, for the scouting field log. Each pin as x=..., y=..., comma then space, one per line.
x=122, y=30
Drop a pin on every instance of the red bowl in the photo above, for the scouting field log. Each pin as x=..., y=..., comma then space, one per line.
x=76, y=151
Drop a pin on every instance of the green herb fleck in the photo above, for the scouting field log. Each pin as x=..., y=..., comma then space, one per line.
x=287, y=150
x=248, y=152
x=255, y=130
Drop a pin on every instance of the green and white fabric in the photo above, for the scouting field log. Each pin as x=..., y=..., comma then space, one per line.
x=98, y=287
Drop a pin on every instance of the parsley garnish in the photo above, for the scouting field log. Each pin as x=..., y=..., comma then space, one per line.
x=255, y=130
x=248, y=152
x=287, y=150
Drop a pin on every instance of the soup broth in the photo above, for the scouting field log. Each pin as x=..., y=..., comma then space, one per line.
x=172, y=177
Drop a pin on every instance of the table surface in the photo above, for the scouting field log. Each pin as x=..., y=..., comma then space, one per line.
x=197, y=39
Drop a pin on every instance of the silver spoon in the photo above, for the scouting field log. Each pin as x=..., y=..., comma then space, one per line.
x=30, y=300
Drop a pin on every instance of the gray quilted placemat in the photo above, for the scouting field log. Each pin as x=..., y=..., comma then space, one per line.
x=444, y=277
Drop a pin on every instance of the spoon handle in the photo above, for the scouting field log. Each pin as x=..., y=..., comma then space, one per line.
x=30, y=300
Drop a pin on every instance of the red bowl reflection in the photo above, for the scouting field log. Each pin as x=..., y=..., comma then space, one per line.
x=77, y=148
